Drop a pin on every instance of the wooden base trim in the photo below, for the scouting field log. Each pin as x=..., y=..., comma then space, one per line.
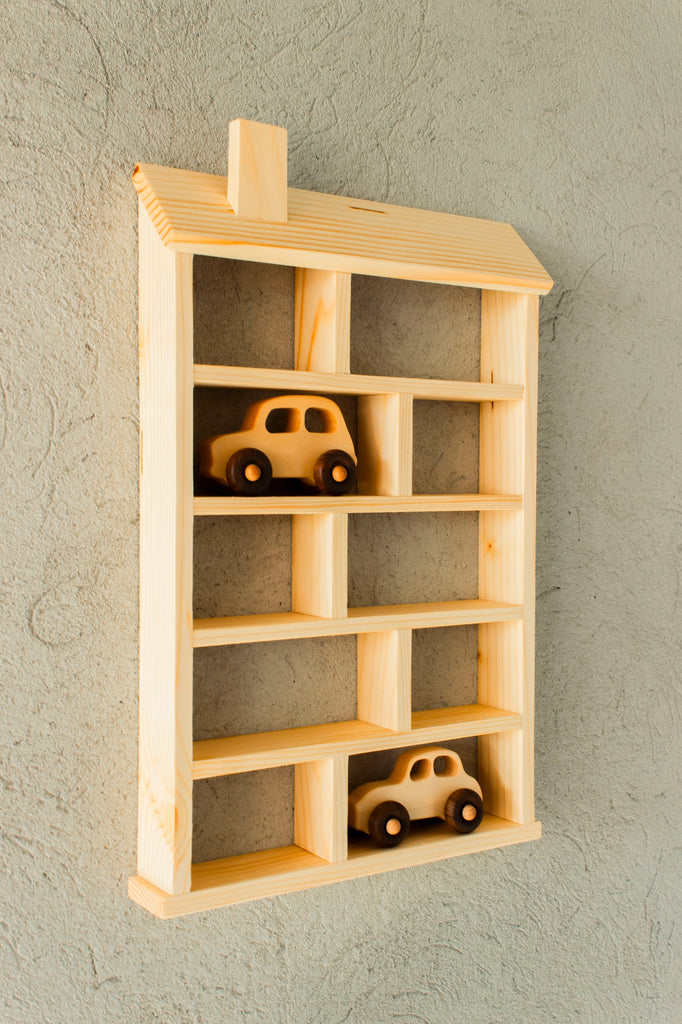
x=252, y=876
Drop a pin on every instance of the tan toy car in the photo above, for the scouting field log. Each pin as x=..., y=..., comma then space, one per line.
x=301, y=436
x=426, y=783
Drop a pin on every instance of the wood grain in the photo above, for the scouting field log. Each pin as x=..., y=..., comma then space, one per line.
x=385, y=444
x=326, y=232
x=212, y=376
x=313, y=505
x=245, y=629
x=322, y=321
x=320, y=816
x=319, y=578
x=509, y=333
x=385, y=678
x=233, y=754
x=257, y=171
x=165, y=781
x=289, y=869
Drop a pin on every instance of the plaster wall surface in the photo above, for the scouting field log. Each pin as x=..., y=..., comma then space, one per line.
x=560, y=118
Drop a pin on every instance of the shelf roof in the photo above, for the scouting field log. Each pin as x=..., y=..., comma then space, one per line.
x=191, y=214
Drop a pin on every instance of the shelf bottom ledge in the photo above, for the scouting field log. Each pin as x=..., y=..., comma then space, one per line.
x=251, y=876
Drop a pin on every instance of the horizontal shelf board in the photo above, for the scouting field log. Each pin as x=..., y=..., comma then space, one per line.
x=247, y=629
x=229, y=505
x=211, y=376
x=230, y=755
x=289, y=869
x=191, y=213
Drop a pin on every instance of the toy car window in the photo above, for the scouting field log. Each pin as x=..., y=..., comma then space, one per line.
x=421, y=769
x=282, y=421
x=319, y=421
x=444, y=766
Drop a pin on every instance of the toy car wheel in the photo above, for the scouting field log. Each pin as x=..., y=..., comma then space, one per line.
x=464, y=810
x=334, y=472
x=249, y=472
x=389, y=823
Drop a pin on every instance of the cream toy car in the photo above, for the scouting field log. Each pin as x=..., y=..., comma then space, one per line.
x=301, y=436
x=426, y=783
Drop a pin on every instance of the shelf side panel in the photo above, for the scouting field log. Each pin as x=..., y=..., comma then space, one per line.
x=322, y=321
x=320, y=807
x=509, y=340
x=165, y=758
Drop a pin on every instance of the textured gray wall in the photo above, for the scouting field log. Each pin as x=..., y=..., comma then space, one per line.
x=561, y=118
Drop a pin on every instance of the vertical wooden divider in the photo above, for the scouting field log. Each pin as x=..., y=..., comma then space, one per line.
x=320, y=807
x=385, y=679
x=509, y=340
x=385, y=444
x=320, y=557
x=319, y=572
x=166, y=525
x=322, y=321
x=320, y=542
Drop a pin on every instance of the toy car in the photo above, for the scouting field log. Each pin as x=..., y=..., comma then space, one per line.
x=426, y=783
x=299, y=436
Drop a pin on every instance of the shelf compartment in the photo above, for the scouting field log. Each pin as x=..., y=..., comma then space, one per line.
x=392, y=318
x=237, y=754
x=450, y=468
x=245, y=813
x=210, y=376
x=307, y=682
x=245, y=629
x=289, y=869
x=359, y=503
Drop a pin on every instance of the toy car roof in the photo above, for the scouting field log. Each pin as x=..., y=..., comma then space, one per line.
x=410, y=757
x=298, y=402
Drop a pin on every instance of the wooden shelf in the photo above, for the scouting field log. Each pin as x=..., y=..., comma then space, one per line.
x=248, y=629
x=233, y=754
x=353, y=384
x=251, y=876
x=228, y=505
x=254, y=216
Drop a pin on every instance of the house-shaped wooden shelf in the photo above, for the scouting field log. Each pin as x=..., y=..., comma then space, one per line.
x=327, y=238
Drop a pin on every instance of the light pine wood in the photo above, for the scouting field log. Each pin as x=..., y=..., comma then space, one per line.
x=509, y=333
x=207, y=375
x=385, y=678
x=238, y=505
x=165, y=780
x=254, y=216
x=290, y=869
x=319, y=578
x=292, y=453
x=234, y=754
x=322, y=321
x=385, y=444
x=257, y=171
x=250, y=629
x=328, y=232
x=320, y=818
